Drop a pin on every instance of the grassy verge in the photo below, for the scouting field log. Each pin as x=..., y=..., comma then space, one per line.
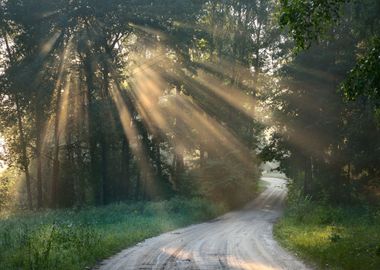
x=67, y=239
x=332, y=238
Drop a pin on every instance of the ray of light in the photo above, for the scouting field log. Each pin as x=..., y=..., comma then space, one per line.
x=49, y=126
x=147, y=90
x=48, y=45
x=239, y=100
x=150, y=30
x=132, y=134
x=186, y=112
x=64, y=107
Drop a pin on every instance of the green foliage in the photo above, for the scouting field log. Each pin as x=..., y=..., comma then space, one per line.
x=7, y=188
x=75, y=239
x=327, y=144
x=332, y=237
x=308, y=20
x=364, y=78
x=4, y=191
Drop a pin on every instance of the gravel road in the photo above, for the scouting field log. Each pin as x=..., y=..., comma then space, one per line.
x=240, y=240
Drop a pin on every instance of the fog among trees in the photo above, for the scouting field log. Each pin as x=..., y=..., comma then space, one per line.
x=123, y=100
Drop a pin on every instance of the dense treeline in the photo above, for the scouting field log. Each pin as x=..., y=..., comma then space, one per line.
x=326, y=109
x=105, y=101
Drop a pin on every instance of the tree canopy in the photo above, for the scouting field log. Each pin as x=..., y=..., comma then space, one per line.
x=104, y=101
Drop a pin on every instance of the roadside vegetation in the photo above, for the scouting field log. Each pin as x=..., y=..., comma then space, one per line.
x=78, y=239
x=332, y=237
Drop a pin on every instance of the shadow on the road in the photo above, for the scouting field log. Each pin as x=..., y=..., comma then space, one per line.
x=181, y=259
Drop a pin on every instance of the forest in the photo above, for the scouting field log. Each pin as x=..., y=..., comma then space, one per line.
x=178, y=104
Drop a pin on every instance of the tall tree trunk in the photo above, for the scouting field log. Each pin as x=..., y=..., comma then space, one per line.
x=91, y=126
x=178, y=163
x=69, y=185
x=24, y=159
x=39, y=155
x=178, y=166
x=104, y=185
x=349, y=172
x=308, y=176
x=57, y=123
x=125, y=170
x=144, y=185
x=138, y=185
x=148, y=184
x=56, y=163
x=157, y=157
x=79, y=184
x=201, y=155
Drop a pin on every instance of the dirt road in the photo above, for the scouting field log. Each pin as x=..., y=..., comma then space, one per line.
x=239, y=240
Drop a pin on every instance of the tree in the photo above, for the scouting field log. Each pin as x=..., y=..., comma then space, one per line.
x=309, y=21
x=113, y=95
x=321, y=139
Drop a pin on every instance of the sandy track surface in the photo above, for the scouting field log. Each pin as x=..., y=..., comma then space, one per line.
x=238, y=240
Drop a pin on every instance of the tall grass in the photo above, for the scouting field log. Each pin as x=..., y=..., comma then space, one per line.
x=332, y=237
x=68, y=239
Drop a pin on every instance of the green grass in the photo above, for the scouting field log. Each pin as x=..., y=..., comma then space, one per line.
x=68, y=239
x=332, y=238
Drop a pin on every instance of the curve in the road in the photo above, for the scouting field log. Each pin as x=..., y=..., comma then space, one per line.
x=240, y=240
